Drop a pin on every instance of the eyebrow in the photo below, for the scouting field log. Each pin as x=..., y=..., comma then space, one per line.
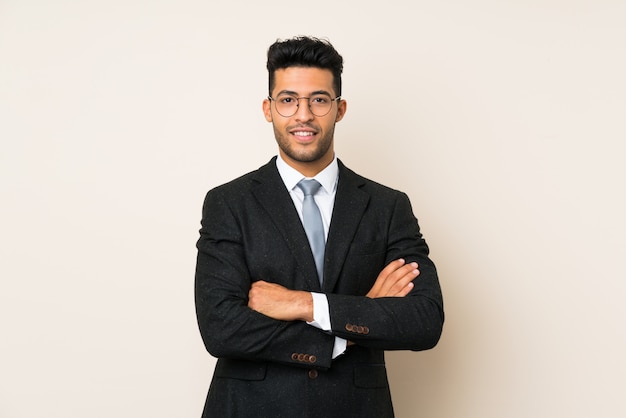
x=293, y=93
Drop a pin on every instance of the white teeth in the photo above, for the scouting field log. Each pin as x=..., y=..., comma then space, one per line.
x=303, y=133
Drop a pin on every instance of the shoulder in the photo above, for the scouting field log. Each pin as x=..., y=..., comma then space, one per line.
x=352, y=179
x=242, y=184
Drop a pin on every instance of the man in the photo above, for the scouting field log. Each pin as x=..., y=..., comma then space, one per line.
x=299, y=325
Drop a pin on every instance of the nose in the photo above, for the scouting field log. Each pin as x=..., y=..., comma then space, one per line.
x=303, y=113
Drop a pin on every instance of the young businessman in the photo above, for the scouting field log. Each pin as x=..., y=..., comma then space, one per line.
x=302, y=285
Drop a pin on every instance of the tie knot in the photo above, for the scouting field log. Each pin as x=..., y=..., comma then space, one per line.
x=309, y=187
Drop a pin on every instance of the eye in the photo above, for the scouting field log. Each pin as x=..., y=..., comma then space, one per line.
x=320, y=99
x=286, y=100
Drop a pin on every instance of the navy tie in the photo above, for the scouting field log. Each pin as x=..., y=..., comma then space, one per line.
x=312, y=221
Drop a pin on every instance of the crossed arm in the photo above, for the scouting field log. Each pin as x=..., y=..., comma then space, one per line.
x=278, y=302
x=242, y=318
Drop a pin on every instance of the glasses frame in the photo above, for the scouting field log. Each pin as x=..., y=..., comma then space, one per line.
x=271, y=99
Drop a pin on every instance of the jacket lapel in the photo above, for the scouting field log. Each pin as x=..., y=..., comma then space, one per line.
x=350, y=204
x=272, y=195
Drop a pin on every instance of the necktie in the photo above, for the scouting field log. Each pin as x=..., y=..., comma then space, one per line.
x=312, y=220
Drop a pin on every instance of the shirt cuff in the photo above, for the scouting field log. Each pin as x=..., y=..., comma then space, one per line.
x=340, y=347
x=321, y=314
x=321, y=320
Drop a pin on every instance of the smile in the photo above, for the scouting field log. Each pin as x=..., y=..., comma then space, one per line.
x=303, y=133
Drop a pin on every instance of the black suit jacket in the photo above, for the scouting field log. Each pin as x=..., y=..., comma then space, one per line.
x=268, y=368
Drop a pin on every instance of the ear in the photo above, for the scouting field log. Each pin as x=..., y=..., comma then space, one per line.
x=267, y=109
x=342, y=106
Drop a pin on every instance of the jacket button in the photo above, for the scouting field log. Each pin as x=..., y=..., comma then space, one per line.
x=294, y=356
x=313, y=374
x=366, y=330
x=349, y=327
x=312, y=359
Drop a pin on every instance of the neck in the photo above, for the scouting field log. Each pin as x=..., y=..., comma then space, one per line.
x=312, y=168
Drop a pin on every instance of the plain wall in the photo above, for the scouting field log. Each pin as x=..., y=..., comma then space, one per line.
x=503, y=121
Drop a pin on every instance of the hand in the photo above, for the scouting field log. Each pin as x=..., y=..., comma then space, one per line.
x=280, y=303
x=396, y=279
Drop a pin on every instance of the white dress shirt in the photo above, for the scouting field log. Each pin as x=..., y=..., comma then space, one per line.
x=325, y=200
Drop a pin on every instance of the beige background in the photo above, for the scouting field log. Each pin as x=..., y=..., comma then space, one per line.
x=503, y=121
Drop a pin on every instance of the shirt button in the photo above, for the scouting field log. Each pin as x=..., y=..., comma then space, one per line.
x=313, y=374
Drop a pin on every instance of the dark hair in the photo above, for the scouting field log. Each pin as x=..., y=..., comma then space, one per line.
x=304, y=51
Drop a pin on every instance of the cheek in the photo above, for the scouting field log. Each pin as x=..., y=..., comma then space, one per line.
x=329, y=127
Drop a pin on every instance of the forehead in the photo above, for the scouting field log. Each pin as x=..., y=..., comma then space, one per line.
x=303, y=80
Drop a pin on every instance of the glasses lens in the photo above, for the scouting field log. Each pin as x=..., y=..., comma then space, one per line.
x=286, y=105
x=319, y=104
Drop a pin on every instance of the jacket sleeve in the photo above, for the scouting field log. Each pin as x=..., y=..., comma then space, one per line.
x=229, y=328
x=413, y=322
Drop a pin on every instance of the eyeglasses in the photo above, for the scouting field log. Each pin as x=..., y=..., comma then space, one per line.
x=287, y=105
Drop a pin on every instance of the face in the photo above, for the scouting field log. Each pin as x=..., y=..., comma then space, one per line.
x=305, y=141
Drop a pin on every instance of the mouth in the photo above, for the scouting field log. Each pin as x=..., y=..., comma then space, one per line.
x=303, y=135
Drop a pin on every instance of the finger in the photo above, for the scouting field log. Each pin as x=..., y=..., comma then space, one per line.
x=382, y=276
x=398, y=279
x=407, y=289
x=399, y=288
x=393, y=266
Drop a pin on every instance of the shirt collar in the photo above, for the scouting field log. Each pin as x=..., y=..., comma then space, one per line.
x=291, y=177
